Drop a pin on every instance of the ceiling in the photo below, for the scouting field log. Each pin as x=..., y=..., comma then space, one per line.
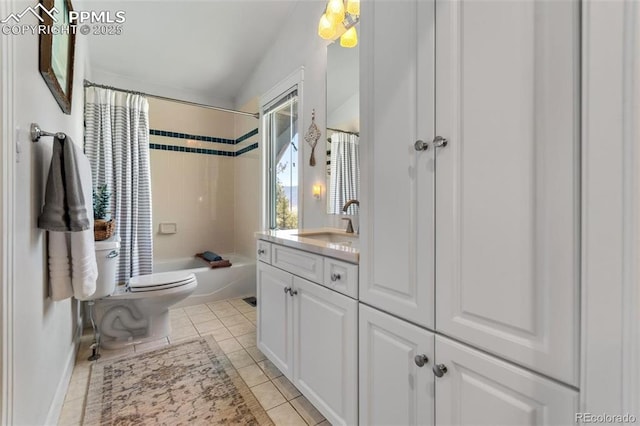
x=210, y=47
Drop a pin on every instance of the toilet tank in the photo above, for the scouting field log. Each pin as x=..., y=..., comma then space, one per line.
x=107, y=253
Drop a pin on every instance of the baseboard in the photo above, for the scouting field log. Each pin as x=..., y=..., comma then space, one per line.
x=63, y=386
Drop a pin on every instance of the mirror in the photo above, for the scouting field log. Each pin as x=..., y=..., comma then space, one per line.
x=57, y=49
x=343, y=127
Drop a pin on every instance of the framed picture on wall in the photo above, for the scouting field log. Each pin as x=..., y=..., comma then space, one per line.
x=57, y=47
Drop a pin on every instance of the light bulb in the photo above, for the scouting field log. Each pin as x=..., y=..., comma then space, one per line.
x=349, y=38
x=353, y=7
x=335, y=11
x=326, y=28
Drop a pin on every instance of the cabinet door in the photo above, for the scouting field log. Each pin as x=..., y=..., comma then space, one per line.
x=478, y=389
x=397, y=220
x=275, y=335
x=507, y=184
x=325, y=348
x=394, y=390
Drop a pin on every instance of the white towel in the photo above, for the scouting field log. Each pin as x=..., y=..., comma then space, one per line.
x=84, y=269
x=59, y=267
x=74, y=275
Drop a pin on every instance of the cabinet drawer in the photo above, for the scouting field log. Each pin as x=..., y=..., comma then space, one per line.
x=341, y=277
x=300, y=263
x=264, y=251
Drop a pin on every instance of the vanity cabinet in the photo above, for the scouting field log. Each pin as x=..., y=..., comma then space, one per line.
x=470, y=197
x=275, y=310
x=310, y=332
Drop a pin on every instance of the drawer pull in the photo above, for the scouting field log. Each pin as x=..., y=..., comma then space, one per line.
x=335, y=277
x=261, y=251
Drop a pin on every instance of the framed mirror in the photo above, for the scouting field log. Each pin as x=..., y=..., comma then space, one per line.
x=57, y=51
x=343, y=127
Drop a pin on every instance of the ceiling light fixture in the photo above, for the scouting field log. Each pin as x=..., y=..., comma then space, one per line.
x=339, y=20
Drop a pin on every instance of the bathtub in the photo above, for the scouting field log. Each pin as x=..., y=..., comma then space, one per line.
x=214, y=285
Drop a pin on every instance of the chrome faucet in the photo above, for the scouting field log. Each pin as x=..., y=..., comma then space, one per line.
x=349, y=224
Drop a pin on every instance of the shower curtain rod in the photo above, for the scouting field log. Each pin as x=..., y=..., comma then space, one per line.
x=344, y=131
x=88, y=83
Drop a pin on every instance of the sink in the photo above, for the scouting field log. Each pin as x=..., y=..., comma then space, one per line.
x=335, y=237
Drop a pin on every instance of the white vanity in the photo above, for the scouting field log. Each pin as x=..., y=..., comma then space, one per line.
x=307, y=289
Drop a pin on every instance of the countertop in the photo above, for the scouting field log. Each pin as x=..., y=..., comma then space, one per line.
x=290, y=238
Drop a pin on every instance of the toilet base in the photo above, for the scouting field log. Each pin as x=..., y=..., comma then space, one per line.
x=158, y=327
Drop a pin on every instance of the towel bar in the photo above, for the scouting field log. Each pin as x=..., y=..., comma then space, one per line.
x=37, y=133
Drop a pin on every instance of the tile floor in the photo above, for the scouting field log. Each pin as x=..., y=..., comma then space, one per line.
x=232, y=324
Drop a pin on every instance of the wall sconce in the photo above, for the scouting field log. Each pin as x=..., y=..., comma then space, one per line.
x=339, y=20
x=317, y=191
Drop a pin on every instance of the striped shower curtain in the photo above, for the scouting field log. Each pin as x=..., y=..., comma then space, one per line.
x=117, y=144
x=345, y=171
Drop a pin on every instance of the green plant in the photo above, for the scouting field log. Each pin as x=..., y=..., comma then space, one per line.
x=101, y=197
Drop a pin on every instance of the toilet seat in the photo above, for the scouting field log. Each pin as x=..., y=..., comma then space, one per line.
x=160, y=281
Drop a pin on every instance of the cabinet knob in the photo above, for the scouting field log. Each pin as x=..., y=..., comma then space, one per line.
x=287, y=289
x=439, y=370
x=438, y=142
x=421, y=360
x=261, y=251
x=292, y=292
x=335, y=276
x=421, y=145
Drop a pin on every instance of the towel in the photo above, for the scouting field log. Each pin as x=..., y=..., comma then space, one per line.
x=65, y=204
x=211, y=256
x=60, y=287
x=222, y=263
x=73, y=270
x=84, y=268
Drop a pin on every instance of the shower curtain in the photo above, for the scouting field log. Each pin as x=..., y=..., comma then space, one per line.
x=117, y=144
x=345, y=170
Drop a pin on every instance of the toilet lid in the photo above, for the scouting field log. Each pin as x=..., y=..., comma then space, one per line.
x=160, y=281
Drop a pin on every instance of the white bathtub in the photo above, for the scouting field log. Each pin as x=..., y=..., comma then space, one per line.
x=239, y=280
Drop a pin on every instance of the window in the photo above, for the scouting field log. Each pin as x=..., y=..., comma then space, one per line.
x=280, y=121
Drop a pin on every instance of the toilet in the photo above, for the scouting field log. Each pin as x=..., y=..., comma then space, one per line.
x=138, y=311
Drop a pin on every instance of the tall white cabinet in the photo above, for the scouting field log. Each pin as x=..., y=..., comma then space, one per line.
x=470, y=208
x=397, y=220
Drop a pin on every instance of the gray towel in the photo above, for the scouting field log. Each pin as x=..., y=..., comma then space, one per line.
x=64, y=204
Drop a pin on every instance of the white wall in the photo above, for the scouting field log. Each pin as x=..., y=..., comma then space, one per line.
x=299, y=45
x=99, y=76
x=43, y=344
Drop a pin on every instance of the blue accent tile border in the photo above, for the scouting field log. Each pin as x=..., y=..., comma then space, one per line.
x=191, y=137
x=175, y=148
x=247, y=135
x=202, y=138
x=247, y=149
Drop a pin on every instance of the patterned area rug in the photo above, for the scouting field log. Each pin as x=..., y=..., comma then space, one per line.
x=190, y=383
